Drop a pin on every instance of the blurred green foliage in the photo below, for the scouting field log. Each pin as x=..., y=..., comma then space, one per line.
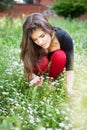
x=71, y=9
x=28, y=1
x=25, y=107
x=5, y=4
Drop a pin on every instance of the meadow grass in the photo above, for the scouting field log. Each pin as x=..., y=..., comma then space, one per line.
x=25, y=107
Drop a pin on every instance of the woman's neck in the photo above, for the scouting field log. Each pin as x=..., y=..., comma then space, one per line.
x=55, y=45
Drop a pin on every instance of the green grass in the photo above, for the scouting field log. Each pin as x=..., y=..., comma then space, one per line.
x=39, y=108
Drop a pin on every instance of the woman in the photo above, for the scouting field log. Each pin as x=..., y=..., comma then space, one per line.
x=46, y=50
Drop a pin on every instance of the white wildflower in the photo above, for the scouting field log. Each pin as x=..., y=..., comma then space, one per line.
x=42, y=128
x=32, y=120
x=31, y=112
x=66, y=118
x=5, y=93
x=1, y=87
x=61, y=124
x=49, y=129
x=16, y=128
x=17, y=105
x=37, y=120
x=24, y=108
x=63, y=112
x=10, y=99
x=57, y=111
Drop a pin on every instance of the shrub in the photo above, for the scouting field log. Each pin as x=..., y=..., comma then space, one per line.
x=70, y=9
x=5, y=4
x=28, y=1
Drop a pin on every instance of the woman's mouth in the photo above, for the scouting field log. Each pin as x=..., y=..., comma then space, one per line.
x=43, y=45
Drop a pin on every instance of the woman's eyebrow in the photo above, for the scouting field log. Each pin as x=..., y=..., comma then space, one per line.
x=41, y=34
x=38, y=37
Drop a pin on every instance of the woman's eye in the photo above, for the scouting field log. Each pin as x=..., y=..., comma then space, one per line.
x=34, y=40
x=43, y=35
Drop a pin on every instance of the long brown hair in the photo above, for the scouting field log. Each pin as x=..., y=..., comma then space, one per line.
x=30, y=52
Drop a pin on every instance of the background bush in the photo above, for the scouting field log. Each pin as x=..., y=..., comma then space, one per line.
x=70, y=9
x=5, y=4
x=28, y=1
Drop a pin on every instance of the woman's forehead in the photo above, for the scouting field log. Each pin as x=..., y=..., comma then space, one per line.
x=36, y=33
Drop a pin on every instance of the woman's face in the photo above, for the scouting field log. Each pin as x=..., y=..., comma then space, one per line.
x=41, y=38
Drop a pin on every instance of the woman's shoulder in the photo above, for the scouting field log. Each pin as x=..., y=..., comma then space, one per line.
x=59, y=31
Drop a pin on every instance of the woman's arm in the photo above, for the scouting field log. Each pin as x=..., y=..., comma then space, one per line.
x=70, y=82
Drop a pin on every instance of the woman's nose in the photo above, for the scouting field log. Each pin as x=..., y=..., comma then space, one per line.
x=40, y=41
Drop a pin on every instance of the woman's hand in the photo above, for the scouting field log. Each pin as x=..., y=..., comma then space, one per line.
x=74, y=93
x=37, y=81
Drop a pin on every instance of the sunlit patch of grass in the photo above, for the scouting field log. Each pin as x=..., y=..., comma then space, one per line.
x=47, y=107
